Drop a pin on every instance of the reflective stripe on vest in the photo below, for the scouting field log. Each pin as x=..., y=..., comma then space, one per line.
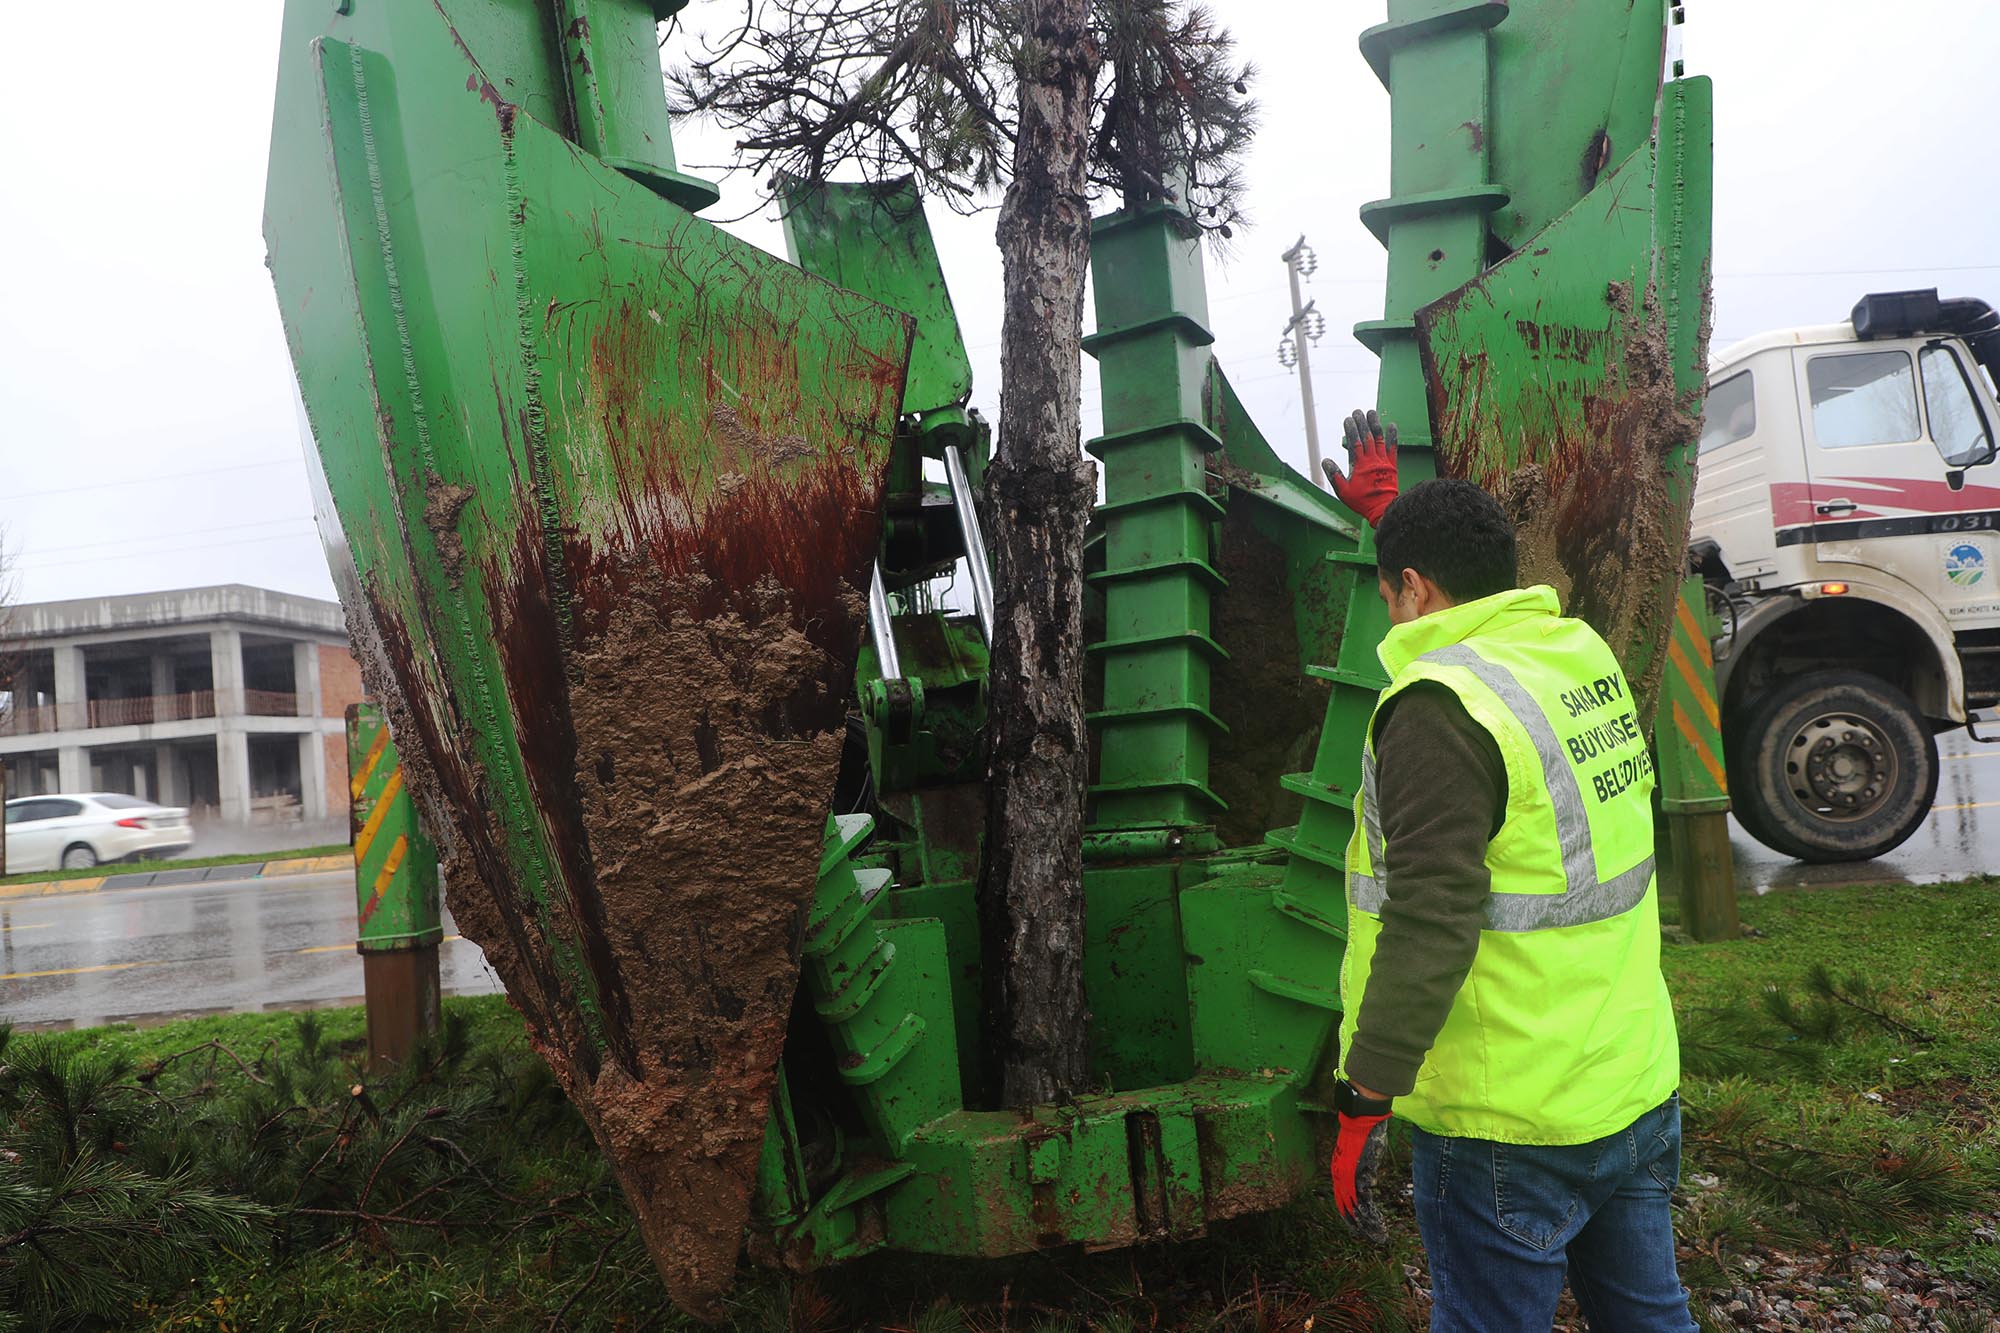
x=1586, y=897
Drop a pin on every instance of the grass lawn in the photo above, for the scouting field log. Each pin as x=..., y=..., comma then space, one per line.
x=1841, y=1066
x=178, y=863
x=1842, y=1075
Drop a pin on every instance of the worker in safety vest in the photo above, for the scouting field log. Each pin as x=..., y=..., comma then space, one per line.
x=1502, y=986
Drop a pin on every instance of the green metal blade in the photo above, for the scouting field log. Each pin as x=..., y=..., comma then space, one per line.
x=603, y=482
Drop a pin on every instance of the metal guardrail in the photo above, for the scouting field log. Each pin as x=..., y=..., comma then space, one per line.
x=27, y=721
x=270, y=703
x=151, y=708
x=144, y=709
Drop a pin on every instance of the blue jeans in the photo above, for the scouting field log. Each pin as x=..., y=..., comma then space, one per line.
x=1504, y=1223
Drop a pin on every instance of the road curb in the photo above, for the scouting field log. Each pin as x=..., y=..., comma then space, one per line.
x=149, y=879
x=42, y=887
x=309, y=865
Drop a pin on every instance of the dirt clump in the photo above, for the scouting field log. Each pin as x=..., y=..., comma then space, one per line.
x=443, y=502
x=743, y=442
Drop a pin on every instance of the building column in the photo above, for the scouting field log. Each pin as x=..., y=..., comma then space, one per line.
x=72, y=769
x=166, y=776
x=72, y=705
x=232, y=773
x=312, y=776
x=225, y=655
x=163, y=687
x=305, y=678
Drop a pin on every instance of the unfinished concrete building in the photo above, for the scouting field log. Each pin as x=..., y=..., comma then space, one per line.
x=228, y=700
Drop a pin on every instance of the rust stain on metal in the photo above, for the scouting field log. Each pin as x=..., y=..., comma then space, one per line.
x=477, y=82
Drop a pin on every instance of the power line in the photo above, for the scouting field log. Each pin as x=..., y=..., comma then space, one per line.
x=1866, y=272
x=170, y=536
x=165, y=550
x=148, y=481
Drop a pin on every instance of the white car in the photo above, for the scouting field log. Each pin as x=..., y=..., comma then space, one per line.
x=80, y=831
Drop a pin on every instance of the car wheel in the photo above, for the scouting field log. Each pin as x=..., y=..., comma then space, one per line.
x=78, y=856
x=1835, y=766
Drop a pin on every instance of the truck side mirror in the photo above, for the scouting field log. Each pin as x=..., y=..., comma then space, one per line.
x=1955, y=478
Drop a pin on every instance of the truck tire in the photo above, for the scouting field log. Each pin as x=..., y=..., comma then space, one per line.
x=1835, y=766
x=1736, y=746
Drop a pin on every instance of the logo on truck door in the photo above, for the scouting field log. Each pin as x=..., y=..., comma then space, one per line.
x=1965, y=565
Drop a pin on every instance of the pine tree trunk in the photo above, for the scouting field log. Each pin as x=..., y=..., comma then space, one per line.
x=1040, y=487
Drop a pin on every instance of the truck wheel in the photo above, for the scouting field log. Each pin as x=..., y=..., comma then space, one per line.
x=1836, y=766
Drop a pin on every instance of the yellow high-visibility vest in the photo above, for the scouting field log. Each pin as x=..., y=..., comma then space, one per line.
x=1562, y=1032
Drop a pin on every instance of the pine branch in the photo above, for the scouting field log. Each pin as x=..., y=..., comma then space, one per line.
x=1822, y=983
x=164, y=1063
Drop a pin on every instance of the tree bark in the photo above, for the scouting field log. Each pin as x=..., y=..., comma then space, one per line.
x=1041, y=488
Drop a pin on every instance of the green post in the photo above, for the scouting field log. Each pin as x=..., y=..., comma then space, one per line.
x=1687, y=729
x=1154, y=729
x=1694, y=785
x=399, y=926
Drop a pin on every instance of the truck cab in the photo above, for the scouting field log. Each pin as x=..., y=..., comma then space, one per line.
x=1847, y=524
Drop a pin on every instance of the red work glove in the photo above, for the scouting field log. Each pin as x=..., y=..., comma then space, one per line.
x=1364, y=1124
x=1371, y=481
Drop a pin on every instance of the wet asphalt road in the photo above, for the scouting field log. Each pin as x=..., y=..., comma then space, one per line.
x=1959, y=840
x=76, y=960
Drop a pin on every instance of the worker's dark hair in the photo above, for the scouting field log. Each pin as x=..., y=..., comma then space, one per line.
x=1452, y=533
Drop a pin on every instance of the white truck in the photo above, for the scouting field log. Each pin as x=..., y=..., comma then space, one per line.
x=1847, y=524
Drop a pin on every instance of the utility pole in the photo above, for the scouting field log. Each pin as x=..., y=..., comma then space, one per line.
x=1300, y=261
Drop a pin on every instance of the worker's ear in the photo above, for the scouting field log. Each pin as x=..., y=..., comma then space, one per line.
x=1426, y=593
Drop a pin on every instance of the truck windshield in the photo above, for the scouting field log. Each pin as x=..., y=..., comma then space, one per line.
x=1861, y=398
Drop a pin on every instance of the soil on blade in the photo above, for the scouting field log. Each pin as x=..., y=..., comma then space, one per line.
x=696, y=743
x=1272, y=708
x=1593, y=506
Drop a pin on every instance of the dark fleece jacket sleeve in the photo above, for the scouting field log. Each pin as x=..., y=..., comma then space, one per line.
x=1442, y=791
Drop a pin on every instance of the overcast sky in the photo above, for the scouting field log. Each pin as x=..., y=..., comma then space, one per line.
x=150, y=439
